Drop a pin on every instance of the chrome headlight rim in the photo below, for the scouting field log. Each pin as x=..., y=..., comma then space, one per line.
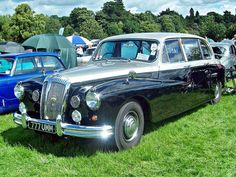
x=19, y=91
x=75, y=101
x=93, y=100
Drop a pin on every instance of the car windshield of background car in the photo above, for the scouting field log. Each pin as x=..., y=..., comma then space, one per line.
x=135, y=50
x=6, y=65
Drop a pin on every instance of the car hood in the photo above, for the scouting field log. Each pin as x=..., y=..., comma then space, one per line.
x=108, y=69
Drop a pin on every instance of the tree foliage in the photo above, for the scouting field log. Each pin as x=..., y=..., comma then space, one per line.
x=114, y=19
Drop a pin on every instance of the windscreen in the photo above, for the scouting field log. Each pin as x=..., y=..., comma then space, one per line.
x=142, y=50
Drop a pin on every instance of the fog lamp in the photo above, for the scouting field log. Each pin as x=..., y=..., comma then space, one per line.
x=76, y=116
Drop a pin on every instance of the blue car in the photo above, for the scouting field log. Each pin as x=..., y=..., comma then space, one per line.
x=19, y=67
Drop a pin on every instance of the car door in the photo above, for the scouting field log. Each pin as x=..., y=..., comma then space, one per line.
x=198, y=57
x=174, y=73
x=25, y=68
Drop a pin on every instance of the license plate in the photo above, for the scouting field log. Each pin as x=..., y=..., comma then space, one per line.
x=42, y=127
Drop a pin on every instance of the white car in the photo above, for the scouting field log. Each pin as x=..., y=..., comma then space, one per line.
x=226, y=53
x=86, y=56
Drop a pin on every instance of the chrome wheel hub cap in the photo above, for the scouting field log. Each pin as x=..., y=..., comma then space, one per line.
x=131, y=124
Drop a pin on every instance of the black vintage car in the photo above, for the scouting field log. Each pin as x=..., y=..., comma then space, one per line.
x=130, y=80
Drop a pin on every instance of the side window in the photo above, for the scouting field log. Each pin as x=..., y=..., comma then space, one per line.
x=174, y=51
x=206, y=52
x=51, y=63
x=25, y=66
x=192, y=49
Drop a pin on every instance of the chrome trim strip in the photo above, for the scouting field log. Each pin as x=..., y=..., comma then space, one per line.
x=67, y=129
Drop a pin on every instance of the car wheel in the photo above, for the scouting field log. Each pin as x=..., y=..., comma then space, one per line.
x=129, y=125
x=218, y=93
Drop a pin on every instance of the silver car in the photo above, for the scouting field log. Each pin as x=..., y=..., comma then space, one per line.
x=226, y=53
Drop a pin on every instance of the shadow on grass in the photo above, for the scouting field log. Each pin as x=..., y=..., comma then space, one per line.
x=52, y=144
x=149, y=127
x=70, y=147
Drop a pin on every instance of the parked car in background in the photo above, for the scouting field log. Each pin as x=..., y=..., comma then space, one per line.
x=95, y=42
x=86, y=56
x=132, y=79
x=226, y=53
x=18, y=67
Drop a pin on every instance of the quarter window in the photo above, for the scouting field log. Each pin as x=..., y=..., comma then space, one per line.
x=173, y=51
x=192, y=49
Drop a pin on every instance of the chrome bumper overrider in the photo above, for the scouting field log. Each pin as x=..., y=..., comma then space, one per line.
x=66, y=129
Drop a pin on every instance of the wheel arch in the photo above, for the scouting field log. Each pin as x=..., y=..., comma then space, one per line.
x=144, y=105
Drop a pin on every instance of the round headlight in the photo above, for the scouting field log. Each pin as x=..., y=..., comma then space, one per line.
x=75, y=101
x=19, y=91
x=35, y=95
x=22, y=108
x=93, y=100
x=76, y=116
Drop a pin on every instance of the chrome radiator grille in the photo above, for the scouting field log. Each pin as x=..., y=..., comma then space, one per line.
x=53, y=97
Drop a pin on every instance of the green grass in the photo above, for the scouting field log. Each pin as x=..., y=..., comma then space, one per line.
x=201, y=142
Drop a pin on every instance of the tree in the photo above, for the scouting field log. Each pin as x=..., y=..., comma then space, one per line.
x=4, y=28
x=114, y=29
x=217, y=17
x=91, y=30
x=68, y=31
x=167, y=24
x=24, y=24
x=53, y=24
x=231, y=31
x=228, y=17
x=80, y=15
x=211, y=29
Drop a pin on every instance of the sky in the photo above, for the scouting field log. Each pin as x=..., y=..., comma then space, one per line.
x=64, y=7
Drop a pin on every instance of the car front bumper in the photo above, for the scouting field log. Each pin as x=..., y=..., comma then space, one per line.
x=64, y=128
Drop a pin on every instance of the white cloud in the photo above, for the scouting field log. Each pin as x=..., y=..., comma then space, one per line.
x=64, y=7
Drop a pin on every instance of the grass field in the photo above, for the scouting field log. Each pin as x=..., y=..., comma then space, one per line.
x=201, y=142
